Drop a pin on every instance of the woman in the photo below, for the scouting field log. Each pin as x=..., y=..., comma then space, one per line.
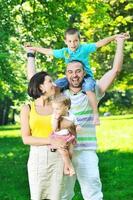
x=45, y=168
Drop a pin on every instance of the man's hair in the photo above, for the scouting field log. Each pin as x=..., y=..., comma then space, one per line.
x=34, y=90
x=72, y=31
x=77, y=61
x=62, y=100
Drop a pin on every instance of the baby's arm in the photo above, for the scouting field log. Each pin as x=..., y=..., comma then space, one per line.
x=55, y=122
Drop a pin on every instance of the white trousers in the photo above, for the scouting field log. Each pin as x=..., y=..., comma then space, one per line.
x=87, y=172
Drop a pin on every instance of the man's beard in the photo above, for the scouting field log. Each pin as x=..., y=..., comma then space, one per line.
x=78, y=85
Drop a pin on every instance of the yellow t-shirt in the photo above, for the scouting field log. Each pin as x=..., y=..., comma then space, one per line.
x=40, y=125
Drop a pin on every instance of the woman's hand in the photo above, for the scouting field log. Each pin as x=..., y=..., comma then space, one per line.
x=58, y=143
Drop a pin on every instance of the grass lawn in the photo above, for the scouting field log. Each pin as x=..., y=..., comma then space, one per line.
x=115, y=139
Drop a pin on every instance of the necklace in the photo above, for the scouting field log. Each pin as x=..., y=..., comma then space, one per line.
x=73, y=92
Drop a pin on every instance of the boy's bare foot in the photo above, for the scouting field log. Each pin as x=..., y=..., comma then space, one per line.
x=96, y=120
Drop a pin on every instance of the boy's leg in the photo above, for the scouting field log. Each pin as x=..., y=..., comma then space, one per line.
x=62, y=83
x=89, y=87
x=93, y=102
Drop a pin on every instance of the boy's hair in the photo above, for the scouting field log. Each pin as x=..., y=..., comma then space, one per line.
x=72, y=31
x=63, y=100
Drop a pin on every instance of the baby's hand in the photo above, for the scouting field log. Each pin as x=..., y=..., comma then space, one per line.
x=57, y=116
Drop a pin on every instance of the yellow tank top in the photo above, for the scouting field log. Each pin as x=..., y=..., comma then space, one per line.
x=40, y=125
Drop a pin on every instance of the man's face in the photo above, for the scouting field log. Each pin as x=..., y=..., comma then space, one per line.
x=75, y=74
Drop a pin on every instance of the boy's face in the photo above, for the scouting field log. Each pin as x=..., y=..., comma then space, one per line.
x=72, y=41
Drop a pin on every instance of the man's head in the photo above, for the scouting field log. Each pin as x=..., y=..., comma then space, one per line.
x=72, y=38
x=75, y=74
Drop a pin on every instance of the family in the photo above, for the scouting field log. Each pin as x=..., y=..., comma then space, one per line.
x=59, y=123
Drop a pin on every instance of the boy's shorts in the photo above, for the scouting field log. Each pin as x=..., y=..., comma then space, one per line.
x=88, y=83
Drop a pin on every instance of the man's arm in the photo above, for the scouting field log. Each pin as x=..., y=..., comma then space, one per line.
x=107, y=79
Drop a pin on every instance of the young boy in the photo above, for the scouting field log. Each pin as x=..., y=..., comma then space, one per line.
x=81, y=52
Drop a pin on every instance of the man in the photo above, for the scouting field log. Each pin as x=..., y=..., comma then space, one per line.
x=85, y=159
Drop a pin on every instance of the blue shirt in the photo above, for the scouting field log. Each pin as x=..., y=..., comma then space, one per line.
x=82, y=54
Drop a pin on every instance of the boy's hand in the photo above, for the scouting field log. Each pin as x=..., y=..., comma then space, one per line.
x=123, y=36
x=29, y=48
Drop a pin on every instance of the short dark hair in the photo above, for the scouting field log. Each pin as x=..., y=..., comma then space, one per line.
x=78, y=61
x=34, y=90
x=72, y=31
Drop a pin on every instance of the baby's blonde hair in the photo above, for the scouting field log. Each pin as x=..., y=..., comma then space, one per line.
x=62, y=100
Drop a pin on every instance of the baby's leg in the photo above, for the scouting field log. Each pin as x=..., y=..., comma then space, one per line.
x=70, y=151
x=62, y=83
x=68, y=166
x=89, y=87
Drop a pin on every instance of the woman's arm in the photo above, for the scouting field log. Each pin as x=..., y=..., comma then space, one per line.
x=28, y=139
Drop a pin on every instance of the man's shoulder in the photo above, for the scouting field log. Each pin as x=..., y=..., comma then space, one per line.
x=82, y=95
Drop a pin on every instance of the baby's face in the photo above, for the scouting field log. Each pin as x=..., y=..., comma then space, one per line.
x=59, y=109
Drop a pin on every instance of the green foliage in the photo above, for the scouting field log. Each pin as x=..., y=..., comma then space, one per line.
x=117, y=102
x=43, y=23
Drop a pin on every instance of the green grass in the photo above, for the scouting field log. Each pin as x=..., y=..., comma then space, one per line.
x=115, y=139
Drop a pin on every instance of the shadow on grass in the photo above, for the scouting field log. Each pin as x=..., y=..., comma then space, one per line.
x=9, y=128
x=116, y=169
x=118, y=118
x=13, y=172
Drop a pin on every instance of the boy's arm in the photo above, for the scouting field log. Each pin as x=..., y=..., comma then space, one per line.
x=105, y=41
x=46, y=51
x=109, y=39
x=107, y=79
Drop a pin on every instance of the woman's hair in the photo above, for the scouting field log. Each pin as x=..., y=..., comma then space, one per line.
x=62, y=100
x=34, y=90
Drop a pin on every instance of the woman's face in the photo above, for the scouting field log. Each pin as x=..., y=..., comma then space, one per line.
x=48, y=86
